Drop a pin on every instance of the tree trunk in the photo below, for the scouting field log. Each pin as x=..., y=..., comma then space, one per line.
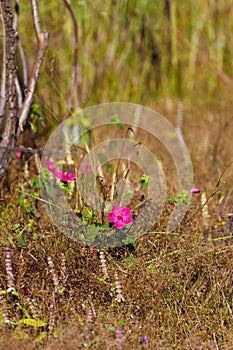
x=9, y=61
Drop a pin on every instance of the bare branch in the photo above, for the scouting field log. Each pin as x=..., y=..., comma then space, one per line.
x=20, y=47
x=73, y=100
x=19, y=89
x=36, y=19
x=24, y=65
x=42, y=39
x=19, y=92
x=16, y=16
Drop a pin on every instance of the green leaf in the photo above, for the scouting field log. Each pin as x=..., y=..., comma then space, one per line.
x=129, y=261
x=17, y=228
x=110, y=168
x=170, y=134
x=122, y=322
x=1, y=317
x=112, y=291
x=102, y=158
x=103, y=279
x=129, y=225
x=22, y=239
x=16, y=294
x=6, y=240
x=171, y=199
x=127, y=196
x=40, y=336
x=182, y=197
x=66, y=188
x=85, y=138
x=31, y=222
x=32, y=322
x=85, y=121
x=115, y=120
x=144, y=181
x=33, y=127
x=20, y=334
x=112, y=144
x=128, y=240
x=3, y=292
x=36, y=182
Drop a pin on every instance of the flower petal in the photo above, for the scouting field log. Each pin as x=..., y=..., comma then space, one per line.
x=50, y=165
x=127, y=219
x=58, y=174
x=125, y=211
x=70, y=177
x=120, y=216
x=195, y=190
x=112, y=217
x=119, y=224
x=116, y=209
x=144, y=339
x=19, y=153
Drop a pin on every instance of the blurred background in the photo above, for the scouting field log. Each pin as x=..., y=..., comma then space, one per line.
x=141, y=51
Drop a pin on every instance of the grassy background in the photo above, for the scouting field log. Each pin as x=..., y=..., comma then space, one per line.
x=177, y=287
x=136, y=51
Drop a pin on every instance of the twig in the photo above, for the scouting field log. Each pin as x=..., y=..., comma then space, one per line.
x=215, y=342
x=33, y=151
x=212, y=194
x=224, y=206
x=24, y=66
x=42, y=40
x=20, y=91
x=225, y=300
x=15, y=23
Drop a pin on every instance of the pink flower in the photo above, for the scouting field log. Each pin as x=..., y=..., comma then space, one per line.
x=195, y=190
x=59, y=174
x=68, y=177
x=19, y=153
x=120, y=216
x=93, y=250
x=50, y=165
x=63, y=176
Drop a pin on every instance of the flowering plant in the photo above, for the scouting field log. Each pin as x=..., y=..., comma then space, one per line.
x=120, y=216
x=64, y=177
